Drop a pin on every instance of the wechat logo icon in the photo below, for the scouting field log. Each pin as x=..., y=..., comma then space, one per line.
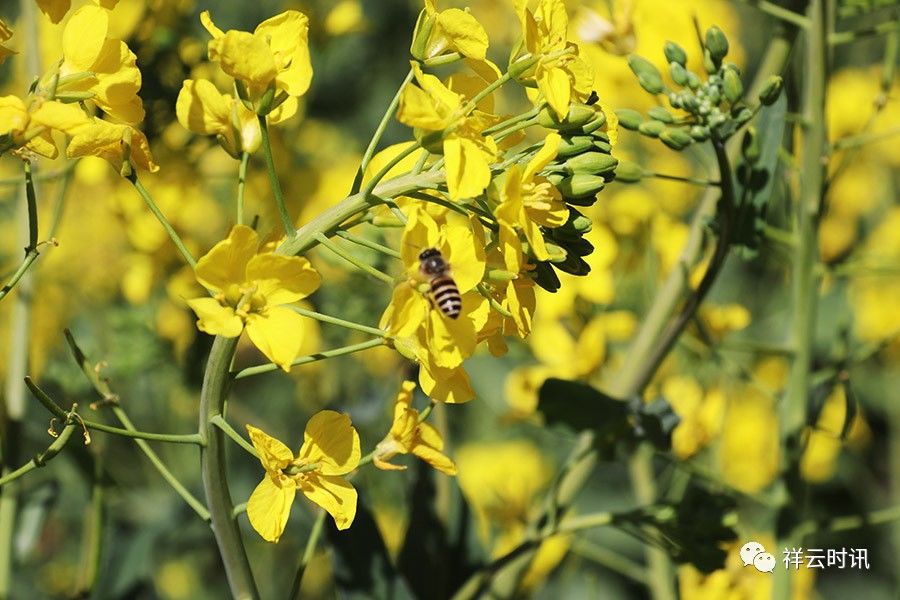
x=753, y=553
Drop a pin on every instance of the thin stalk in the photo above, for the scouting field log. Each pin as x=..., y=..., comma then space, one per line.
x=308, y=552
x=93, y=533
x=376, y=179
x=691, y=180
x=31, y=249
x=779, y=12
x=855, y=141
x=286, y=220
x=612, y=560
x=173, y=235
x=41, y=459
x=242, y=183
x=379, y=132
x=362, y=266
x=361, y=241
x=214, y=471
x=337, y=321
x=793, y=408
x=845, y=37
x=220, y=422
x=303, y=360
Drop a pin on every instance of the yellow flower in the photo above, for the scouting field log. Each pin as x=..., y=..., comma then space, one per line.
x=824, y=443
x=616, y=36
x=346, y=17
x=114, y=143
x=330, y=449
x=529, y=200
x=5, y=34
x=451, y=30
x=201, y=108
x=274, y=57
x=749, y=453
x=721, y=319
x=32, y=125
x=54, y=9
x=433, y=107
x=561, y=76
x=410, y=434
x=250, y=292
x=100, y=65
x=700, y=416
x=447, y=341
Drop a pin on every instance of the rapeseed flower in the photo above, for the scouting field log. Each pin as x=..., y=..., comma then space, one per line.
x=204, y=110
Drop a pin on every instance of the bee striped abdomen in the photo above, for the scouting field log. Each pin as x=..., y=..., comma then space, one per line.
x=446, y=296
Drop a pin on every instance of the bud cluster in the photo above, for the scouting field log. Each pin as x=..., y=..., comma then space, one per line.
x=714, y=108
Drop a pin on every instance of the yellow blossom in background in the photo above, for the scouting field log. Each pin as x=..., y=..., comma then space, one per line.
x=274, y=57
x=114, y=143
x=250, y=291
x=346, y=17
x=433, y=107
x=100, y=65
x=824, y=442
x=749, y=450
x=721, y=319
x=700, y=415
x=409, y=434
x=5, y=34
x=529, y=200
x=875, y=296
x=202, y=109
x=615, y=36
x=330, y=450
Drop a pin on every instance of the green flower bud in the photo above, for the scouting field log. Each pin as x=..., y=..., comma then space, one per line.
x=743, y=115
x=500, y=275
x=573, y=265
x=576, y=144
x=595, y=163
x=629, y=172
x=771, y=90
x=581, y=223
x=557, y=253
x=750, y=146
x=544, y=275
x=717, y=44
x=594, y=125
x=648, y=75
x=675, y=53
x=676, y=138
x=629, y=119
x=581, y=189
x=732, y=86
x=709, y=65
x=651, y=128
x=679, y=73
x=699, y=133
x=693, y=80
x=602, y=146
x=579, y=114
x=661, y=114
x=555, y=178
x=422, y=32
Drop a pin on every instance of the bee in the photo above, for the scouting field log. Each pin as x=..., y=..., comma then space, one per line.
x=444, y=290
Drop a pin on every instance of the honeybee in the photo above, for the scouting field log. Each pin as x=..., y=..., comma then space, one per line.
x=444, y=290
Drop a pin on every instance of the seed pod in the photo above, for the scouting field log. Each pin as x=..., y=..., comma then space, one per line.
x=676, y=138
x=629, y=172
x=732, y=86
x=717, y=44
x=675, y=53
x=581, y=189
x=651, y=128
x=750, y=146
x=771, y=90
x=579, y=114
x=661, y=114
x=572, y=145
x=679, y=73
x=648, y=75
x=595, y=163
x=629, y=119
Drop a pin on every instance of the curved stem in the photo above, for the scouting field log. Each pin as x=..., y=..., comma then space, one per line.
x=242, y=183
x=41, y=459
x=308, y=552
x=286, y=220
x=173, y=235
x=303, y=360
x=31, y=250
x=220, y=422
x=362, y=266
x=214, y=471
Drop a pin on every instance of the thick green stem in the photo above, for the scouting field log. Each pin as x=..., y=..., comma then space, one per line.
x=286, y=220
x=214, y=471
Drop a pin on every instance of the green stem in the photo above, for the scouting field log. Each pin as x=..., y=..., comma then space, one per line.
x=93, y=533
x=692, y=180
x=286, y=220
x=214, y=471
x=779, y=12
x=379, y=132
x=610, y=559
x=855, y=141
x=41, y=459
x=362, y=266
x=303, y=360
x=31, y=250
x=660, y=574
x=242, y=183
x=361, y=241
x=308, y=552
x=337, y=321
x=173, y=235
x=220, y=422
x=845, y=37
x=376, y=179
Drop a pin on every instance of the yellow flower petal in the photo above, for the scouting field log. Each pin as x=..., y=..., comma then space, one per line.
x=445, y=385
x=269, y=507
x=226, y=263
x=287, y=36
x=464, y=33
x=543, y=157
x=216, y=319
x=436, y=459
x=244, y=56
x=208, y=24
x=554, y=84
x=335, y=495
x=331, y=441
x=273, y=453
x=466, y=258
x=201, y=108
x=277, y=334
x=468, y=170
x=282, y=279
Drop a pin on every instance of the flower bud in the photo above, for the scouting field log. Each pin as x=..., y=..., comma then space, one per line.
x=699, y=133
x=660, y=114
x=595, y=163
x=421, y=34
x=629, y=119
x=651, y=128
x=732, y=86
x=676, y=138
x=557, y=253
x=679, y=73
x=750, y=145
x=579, y=115
x=629, y=172
x=648, y=75
x=581, y=189
x=771, y=90
x=717, y=44
x=693, y=80
x=675, y=53
x=572, y=145
x=573, y=265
